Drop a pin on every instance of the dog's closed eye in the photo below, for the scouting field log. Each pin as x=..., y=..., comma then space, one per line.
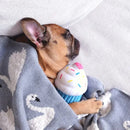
x=67, y=34
x=55, y=41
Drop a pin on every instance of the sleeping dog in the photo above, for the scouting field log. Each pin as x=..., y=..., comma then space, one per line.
x=55, y=46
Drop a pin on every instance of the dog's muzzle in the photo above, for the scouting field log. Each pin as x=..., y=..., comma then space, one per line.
x=76, y=48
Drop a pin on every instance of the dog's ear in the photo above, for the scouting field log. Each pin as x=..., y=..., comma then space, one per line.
x=34, y=31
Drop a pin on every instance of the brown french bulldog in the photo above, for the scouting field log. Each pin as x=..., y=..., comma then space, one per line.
x=55, y=46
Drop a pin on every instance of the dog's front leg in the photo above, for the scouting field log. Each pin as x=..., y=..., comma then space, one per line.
x=89, y=106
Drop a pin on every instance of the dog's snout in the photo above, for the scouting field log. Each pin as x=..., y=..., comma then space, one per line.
x=76, y=44
x=76, y=48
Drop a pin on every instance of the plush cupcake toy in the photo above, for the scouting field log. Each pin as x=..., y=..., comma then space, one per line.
x=71, y=82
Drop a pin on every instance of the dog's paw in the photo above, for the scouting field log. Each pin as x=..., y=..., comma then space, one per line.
x=90, y=106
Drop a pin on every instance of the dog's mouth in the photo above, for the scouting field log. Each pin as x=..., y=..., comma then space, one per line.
x=75, y=49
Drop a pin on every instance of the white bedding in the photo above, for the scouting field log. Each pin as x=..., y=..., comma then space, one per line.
x=62, y=12
x=105, y=43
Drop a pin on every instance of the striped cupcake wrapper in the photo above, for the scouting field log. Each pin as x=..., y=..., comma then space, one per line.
x=68, y=98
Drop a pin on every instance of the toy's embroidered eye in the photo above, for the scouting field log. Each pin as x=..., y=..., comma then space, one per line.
x=0, y=86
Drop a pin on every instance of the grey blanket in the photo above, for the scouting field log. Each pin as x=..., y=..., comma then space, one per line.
x=29, y=101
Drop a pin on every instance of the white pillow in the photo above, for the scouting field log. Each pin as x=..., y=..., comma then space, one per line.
x=62, y=12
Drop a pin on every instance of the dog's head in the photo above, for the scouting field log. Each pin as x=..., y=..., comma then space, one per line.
x=58, y=42
x=55, y=45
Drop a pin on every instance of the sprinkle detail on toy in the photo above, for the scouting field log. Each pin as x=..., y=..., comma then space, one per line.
x=70, y=81
x=61, y=76
x=77, y=73
x=79, y=85
x=72, y=69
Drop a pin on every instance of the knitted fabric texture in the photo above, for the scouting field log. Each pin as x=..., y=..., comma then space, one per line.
x=71, y=82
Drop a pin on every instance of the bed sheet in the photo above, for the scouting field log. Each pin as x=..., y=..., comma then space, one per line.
x=44, y=11
x=105, y=43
